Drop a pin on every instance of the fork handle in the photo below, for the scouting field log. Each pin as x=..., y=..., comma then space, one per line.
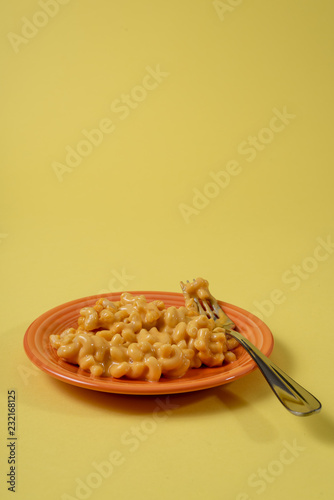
x=293, y=396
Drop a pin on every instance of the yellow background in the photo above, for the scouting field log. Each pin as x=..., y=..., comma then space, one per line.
x=115, y=222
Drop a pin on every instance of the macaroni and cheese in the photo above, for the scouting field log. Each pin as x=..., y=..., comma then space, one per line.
x=144, y=340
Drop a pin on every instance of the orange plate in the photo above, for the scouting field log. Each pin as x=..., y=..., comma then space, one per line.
x=38, y=349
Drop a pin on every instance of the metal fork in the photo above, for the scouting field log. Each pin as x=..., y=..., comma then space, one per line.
x=293, y=396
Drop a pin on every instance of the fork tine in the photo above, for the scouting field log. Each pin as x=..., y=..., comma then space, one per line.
x=199, y=306
x=204, y=308
x=209, y=309
x=216, y=307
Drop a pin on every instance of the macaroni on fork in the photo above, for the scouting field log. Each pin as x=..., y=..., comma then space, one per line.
x=144, y=340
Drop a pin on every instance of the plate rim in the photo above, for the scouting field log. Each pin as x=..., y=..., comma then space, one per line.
x=137, y=387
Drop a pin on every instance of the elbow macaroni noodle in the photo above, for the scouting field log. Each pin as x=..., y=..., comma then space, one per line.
x=144, y=340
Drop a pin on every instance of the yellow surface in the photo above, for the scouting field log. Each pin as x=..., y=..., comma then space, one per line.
x=214, y=159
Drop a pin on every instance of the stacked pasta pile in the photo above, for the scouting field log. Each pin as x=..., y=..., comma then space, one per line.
x=142, y=340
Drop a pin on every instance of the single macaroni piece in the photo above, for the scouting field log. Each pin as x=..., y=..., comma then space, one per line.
x=144, y=340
